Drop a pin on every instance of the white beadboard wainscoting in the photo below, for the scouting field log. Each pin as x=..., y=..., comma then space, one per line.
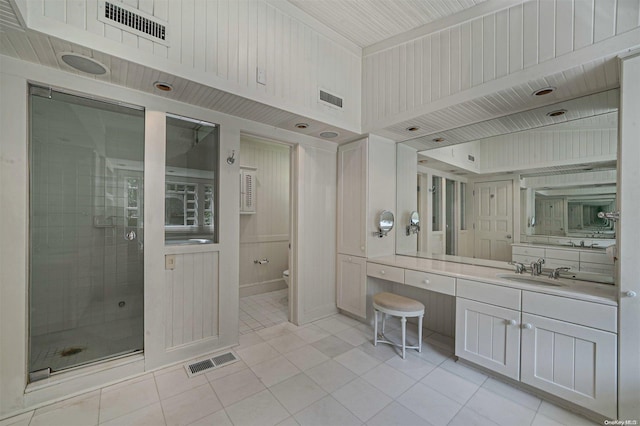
x=265, y=233
x=192, y=298
x=222, y=43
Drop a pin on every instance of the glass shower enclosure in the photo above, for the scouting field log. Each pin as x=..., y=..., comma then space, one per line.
x=86, y=231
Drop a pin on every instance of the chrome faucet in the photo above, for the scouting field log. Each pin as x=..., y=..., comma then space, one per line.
x=536, y=267
x=555, y=274
x=520, y=268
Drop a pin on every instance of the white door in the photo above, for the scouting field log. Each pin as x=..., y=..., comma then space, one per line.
x=574, y=362
x=352, y=284
x=489, y=336
x=550, y=216
x=494, y=220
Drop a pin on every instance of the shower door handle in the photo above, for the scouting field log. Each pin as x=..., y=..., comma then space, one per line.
x=130, y=236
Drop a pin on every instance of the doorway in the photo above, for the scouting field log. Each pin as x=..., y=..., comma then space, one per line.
x=86, y=232
x=265, y=222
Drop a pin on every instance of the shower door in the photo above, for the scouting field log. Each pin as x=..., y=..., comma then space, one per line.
x=86, y=231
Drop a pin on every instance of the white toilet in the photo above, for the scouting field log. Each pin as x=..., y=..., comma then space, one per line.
x=285, y=277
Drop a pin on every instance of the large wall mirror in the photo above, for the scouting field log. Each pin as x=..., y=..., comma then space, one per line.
x=516, y=188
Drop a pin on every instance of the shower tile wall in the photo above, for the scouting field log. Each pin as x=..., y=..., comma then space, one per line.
x=82, y=267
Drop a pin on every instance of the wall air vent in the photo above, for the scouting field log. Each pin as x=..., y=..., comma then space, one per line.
x=330, y=99
x=130, y=19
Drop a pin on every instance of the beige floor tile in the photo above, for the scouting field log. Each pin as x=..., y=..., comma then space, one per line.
x=464, y=371
x=382, y=352
x=432, y=406
x=306, y=357
x=297, y=393
x=499, y=409
x=331, y=325
x=218, y=373
x=275, y=370
x=274, y=331
x=286, y=343
x=468, y=417
x=261, y=409
x=258, y=353
x=289, y=421
x=80, y=410
x=412, y=366
x=332, y=346
x=311, y=333
x=330, y=375
x=395, y=414
x=561, y=415
x=353, y=336
x=127, y=397
x=176, y=381
x=362, y=399
x=219, y=418
x=326, y=411
x=190, y=406
x=238, y=386
x=389, y=380
x=542, y=420
x=248, y=339
x=513, y=394
x=357, y=361
x=450, y=385
x=151, y=415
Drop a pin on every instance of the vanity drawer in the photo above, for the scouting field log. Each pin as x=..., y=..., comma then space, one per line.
x=563, y=254
x=596, y=258
x=389, y=273
x=428, y=281
x=528, y=251
x=489, y=293
x=551, y=263
x=590, y=314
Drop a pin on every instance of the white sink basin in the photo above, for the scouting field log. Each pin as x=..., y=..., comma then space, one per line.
x=528, y=279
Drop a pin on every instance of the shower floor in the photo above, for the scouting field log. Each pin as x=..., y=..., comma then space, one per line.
x=77, y=346
x=263, y=310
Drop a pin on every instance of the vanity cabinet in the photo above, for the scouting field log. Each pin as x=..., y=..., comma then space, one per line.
x=488, y=326
x=351, y=294
x=584, y=260
x=563, y=346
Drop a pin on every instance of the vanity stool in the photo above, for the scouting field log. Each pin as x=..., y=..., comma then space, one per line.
x=397, y=306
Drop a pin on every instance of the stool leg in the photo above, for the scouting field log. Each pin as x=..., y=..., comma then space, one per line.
x=375, y=328
x=404, y=335
x=384, y=317
x=420, y=334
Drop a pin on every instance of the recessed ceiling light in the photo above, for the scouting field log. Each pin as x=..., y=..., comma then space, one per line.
x=438, y=140
x=412, y=129
x=163, y=86
x=556, y=113
x=83, y=63
x=328, y=135
x=544, y=91
x=301, y=125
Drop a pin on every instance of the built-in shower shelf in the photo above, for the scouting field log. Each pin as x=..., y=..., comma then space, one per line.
x=200, y=367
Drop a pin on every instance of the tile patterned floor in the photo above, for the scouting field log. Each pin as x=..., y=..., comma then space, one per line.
x=263, y=310
x=324, y=373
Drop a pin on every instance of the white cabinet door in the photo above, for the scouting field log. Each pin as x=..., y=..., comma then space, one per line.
x=489, y=336
x=352, y=198
x=573, y=362
x=351, y=289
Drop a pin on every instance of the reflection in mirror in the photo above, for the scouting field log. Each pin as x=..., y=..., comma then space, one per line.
x=493, y=191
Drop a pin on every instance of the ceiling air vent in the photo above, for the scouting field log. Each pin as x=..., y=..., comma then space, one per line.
x=330, y=99
x=133, y=20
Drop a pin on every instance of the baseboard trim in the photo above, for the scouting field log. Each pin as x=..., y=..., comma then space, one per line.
x=262, y=287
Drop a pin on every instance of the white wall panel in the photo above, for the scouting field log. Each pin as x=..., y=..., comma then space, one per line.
x=546, y=148
x=222, y=42
x=485, y=49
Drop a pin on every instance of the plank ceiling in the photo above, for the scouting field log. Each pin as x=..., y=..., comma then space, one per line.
x=366, y=22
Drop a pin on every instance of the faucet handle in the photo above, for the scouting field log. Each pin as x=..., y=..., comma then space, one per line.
x=520, y=268
x=555, y=274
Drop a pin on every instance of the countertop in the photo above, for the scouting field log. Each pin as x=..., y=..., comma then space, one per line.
x=582, y=290
x=599, y=248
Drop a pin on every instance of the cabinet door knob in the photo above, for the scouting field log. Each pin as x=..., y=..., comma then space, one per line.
x=527, y=326
x=426, y=281
x=382, y=272
x=511, y=322
x=362, y=248
x=348, y=259
x=630, y=293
